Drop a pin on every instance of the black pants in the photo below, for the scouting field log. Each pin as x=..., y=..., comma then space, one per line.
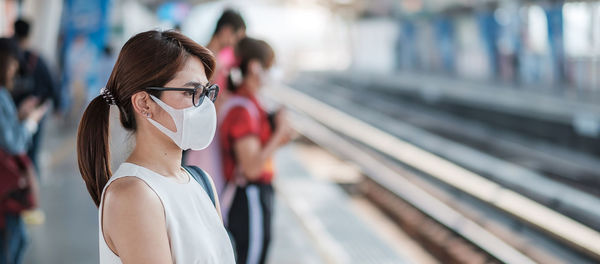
x=249, y=221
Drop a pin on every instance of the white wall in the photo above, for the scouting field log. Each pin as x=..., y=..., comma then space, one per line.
x=45, y=17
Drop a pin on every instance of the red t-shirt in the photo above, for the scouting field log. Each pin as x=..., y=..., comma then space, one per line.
x=237, y=124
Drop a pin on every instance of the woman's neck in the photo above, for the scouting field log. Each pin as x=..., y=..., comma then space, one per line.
x=161, y=157
x=247, y=88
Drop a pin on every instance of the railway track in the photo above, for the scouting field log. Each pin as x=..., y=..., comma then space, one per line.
x=457, y=214
x=559, y=178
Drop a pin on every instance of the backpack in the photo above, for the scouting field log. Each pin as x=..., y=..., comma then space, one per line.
x=15, y=189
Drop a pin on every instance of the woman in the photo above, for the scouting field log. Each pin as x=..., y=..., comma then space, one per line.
x=150, y=210
x=16, y=130
x=248, y=143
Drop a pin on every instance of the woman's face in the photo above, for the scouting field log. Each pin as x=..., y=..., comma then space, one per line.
x=232, y=37
x=190, y=76
x=256, y=76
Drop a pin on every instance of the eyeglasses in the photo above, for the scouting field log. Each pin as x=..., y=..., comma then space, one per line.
x=198, y=92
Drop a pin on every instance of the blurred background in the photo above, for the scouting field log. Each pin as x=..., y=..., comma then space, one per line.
x=430, y=131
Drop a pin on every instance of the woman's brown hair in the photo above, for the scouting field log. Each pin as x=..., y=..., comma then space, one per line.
x=150, y=58
x=9, y=51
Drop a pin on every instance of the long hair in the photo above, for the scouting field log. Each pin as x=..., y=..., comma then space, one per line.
x=9, y=51
x=150, y=58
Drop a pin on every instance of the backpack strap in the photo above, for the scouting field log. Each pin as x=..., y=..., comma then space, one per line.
x=202, y=178
x=232, y=102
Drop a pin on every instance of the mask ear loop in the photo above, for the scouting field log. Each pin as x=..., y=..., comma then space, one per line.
x=236, y=76
x=163, y=104
x=162, y=128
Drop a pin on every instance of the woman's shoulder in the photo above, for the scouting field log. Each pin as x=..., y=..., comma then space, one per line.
x=128, y=192
x=133, y=217
x=128, y=185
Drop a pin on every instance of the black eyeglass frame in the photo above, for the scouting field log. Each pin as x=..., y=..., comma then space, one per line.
x=206, y=90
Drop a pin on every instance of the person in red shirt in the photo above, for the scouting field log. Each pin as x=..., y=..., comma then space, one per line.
x=248, y=142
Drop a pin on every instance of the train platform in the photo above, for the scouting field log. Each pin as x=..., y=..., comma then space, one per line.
x=315, y=220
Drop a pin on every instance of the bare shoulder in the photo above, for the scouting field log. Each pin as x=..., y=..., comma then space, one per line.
x=128, y=187
x=133, y=221
x=130, y=194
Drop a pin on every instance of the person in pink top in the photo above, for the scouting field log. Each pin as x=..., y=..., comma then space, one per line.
x=229, y=30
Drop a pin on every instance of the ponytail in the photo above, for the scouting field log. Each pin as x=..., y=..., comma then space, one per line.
x=93, y=152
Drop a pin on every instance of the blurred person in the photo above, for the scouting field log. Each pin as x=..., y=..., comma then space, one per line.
x=150, y=209
x=18, y=188
x=34, y=80
x=248, y=142
x=229, y=30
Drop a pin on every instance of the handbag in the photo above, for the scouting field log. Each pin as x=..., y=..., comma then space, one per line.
x=15, y=188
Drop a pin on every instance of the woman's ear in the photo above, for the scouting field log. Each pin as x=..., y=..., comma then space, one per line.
x=141, y=104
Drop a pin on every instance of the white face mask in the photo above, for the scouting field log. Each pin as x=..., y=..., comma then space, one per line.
x=195, y=126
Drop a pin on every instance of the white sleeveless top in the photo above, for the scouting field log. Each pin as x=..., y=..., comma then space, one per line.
x=195, y=230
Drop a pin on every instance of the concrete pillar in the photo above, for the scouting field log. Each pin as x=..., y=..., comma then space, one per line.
x=8, y=13
x=45, y=16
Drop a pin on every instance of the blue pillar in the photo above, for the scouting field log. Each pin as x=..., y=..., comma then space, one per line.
x=82, y=19
x=406, y=52
x=444, y=32
x=488, y=29
x=556, y=39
